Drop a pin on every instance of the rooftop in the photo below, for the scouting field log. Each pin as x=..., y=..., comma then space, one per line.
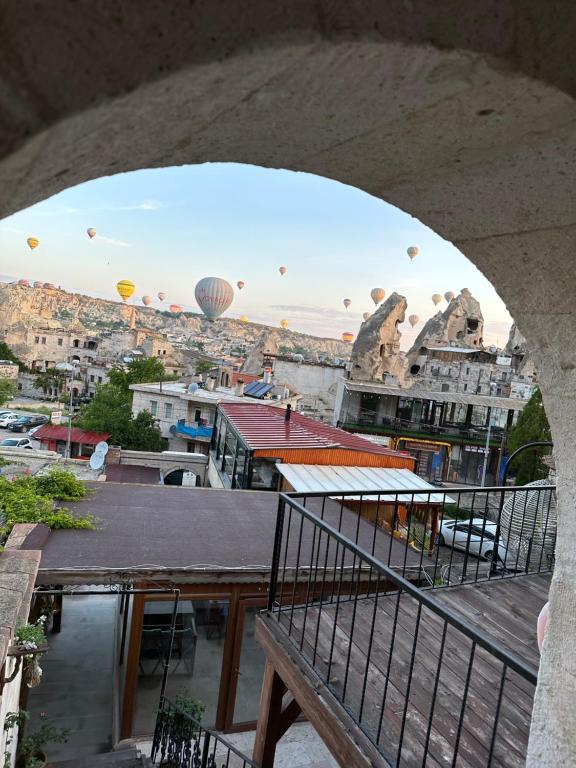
x=314, y=478
x=150, y=530
x=53, y=432
x=464, y=398
x=262, y=427
x=179, y=389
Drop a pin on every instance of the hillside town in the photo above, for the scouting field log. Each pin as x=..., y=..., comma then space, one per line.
x=276, y=492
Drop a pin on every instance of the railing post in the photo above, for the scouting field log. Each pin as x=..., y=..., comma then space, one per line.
x=205, y=750
x=276, y=554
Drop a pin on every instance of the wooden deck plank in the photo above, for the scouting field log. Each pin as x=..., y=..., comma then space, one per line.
x=504, y=609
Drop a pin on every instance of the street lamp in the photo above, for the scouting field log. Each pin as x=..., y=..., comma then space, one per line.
x=70, y=369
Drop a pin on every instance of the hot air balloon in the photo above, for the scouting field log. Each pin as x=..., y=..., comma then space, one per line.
x=91, y=232
x=146, y=300
x=38, y=284
x=244, y=319
x=24, y=282
x=347, y=336
x=413, y=320
x=175, y=308
x=33, y=242
x=413, y=251
x=365, y=316
x=282, y=270
x=436, y=298
x=284, y=324
x=240, y=284
x=214, y=295
x=346, y=303
x=377, y=295
x=50, y=285
x=125, y=289
x=449, y=295
x=161, y=296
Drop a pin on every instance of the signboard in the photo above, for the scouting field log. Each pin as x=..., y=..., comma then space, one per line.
x=475, y=449
x=56, y=417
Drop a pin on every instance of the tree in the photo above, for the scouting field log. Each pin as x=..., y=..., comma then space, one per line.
x=50, y=380
x=7, y=390
x=110, y=410
x=7, y=354
x=139, y=371
x=532, y=425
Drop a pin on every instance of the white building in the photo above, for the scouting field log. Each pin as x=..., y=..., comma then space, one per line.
x=185, y=413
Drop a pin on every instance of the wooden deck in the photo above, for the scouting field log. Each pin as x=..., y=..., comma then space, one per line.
x=404, y=682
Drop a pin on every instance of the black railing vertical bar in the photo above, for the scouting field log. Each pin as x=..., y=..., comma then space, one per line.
x=331, y=656
x=276, y=552
x=309, y=585
x=497, y=714
x=296, y=572
x=409, y=682
x=321, y=601
x=369, y=650
x=464, y=704
x=352, y=627
x=288, y=532
x=393, y=529
x=376, y=525
x=545, y=533
x=435, y=689
x=388, y=666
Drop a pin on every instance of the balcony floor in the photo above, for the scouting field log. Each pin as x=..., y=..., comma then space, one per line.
x=506, y=609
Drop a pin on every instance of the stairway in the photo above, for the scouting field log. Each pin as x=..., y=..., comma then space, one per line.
x=122, y=758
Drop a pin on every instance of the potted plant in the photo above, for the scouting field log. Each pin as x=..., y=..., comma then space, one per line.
x=31, y=637
x=31, y=752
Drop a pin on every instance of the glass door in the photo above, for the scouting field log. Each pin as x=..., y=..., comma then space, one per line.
x=247, y=669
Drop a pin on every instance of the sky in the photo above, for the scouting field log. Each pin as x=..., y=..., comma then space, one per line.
x=165, y=229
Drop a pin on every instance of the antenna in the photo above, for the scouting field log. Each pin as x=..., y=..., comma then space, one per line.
x=102, y=448
x=97, y=461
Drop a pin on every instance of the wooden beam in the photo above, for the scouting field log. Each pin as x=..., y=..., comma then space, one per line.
x=288, y=716
x=268, y=727
x=349, y=746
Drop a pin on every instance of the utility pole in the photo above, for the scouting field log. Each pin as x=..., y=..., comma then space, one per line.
x=486, y=450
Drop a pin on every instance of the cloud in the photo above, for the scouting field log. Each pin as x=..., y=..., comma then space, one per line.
x=113, y=241
x=68, y=210
x=315, y=311
x=145, y=205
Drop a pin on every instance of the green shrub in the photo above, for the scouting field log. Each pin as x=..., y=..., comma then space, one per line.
x=58, y=484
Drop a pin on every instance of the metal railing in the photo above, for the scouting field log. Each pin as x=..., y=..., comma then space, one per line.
x=425, y=686
x=180, y=741
x=447, y=536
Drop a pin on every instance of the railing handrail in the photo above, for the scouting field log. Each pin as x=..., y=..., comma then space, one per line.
x=212, y=734
x=440, y=491
x=514, y=662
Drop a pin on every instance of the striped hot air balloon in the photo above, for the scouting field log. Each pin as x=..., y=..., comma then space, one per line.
x=214, y=295
x=348, y=337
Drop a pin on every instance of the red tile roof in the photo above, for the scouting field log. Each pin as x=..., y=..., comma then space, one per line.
x=263, y=427
x=53, y=432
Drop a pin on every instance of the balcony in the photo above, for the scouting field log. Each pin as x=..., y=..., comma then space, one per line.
x=449, y=434
x=404, y=670
x=195, y=431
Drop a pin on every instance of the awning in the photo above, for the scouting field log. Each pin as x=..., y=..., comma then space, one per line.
x=335, y=480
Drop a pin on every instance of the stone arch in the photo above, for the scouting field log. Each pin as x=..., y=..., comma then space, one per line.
x=458, y=112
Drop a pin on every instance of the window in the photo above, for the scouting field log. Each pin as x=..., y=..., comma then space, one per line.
x=465, y=387
x=167, y=410
x=153, y=407
x=92, y=377
x=197, y=415
x=99, y=379
x=60, y=342
x=36, y=339
x=445, y=387
x=467, y=370
x=43, y=339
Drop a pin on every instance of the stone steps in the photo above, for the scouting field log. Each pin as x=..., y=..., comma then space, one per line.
x=123, y=758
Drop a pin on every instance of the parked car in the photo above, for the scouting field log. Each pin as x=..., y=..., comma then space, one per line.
x=477, y=536
x=24, y=423
x=10, y=417
x=16, y=442
x=32, y=432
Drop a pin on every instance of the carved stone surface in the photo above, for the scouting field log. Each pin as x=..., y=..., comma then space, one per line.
x=376, y=351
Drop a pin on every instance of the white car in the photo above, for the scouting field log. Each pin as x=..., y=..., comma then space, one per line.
x=16, y=442
x=32, y=432
x=477, y=536
x=5, y=420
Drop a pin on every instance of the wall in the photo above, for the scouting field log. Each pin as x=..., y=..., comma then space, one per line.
x=9, y=702
x=315, y=381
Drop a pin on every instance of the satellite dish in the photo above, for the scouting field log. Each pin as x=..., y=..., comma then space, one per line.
x=101, y=448
x=97, y=461
x=193, y=388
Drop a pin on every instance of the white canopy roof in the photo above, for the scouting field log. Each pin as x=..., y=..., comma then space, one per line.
x=334, y=480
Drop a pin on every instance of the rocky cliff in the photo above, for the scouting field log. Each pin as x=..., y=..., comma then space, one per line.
x=376, y=352
x=21, y=307
x=460, y=324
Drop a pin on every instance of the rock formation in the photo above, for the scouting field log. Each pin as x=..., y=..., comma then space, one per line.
x=517, y=348
x=267, y=344
x=461, y=324
x=376, y=352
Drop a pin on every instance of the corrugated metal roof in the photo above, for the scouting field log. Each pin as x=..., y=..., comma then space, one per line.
x=53, y=432
x=463, y=398
x=313, y=478
x=262, y=427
